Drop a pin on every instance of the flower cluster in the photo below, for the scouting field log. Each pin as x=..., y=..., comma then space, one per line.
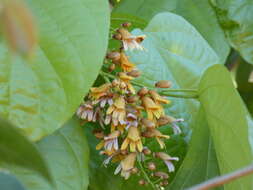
x=128, y=117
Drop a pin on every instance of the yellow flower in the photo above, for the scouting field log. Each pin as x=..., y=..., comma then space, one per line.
x=133, y=139
x=118, y=112
x=130, y=41
x=118, y=127
x=126, y=165
x=97, y=92
x=157, y=134
x=125, y=64
x=157, y=98
x=153, y=110
x=126, y=79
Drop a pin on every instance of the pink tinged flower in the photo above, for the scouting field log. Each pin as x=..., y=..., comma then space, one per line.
x=111, y=141
x=131, y=120
x=85, y=111
x=167, y=160
x=175, y=127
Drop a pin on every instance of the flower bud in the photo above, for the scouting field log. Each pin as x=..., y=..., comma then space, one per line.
x=122, y=85
x=114, y=55
x=146, y=151
x=164, y=120
x=134, y=170
x=124, y=152
x=126, y=24
x=115, y=82
x=143, y=91
x=164, y=183
x=163, y=84
x=148, y=134
x=132, y=99
x=98, y=134
x=148, y=123
x=151, y=166
x=162, y=175
x=111, y=68
x=117, y=37
x=134, y=73
x=142, y=182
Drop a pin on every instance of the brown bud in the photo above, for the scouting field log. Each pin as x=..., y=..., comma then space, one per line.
x=134, y=170
x=162, y=175
x=98, y=134
x=132, y=99
x=134, y=73
x=148, y=123
x=117, y=37
x=151, y=166
x=146, y=151
x=124, y=152
x=164, y=183
x=126, y=24
x=122, y=85
x=143, y=91
x=142, y=182
x=114, y=55
x=111, y=68
x=163, y=84
x=164, y=120
x=148, y=134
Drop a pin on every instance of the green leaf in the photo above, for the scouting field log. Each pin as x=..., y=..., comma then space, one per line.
x=200, y=162
x=236, y=18
x=229, y=122
x=197, y=12
x=18, y=150
x=9, y=182
x=67, y=154
x=42, y=93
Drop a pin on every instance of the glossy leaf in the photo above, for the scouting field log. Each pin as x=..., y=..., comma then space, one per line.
x=67, y=154
x=200, y=162
x=18, y=150
x=9, y=182
x=197, y=12
x=42, y=93
x=229, y=122
x=236, y=18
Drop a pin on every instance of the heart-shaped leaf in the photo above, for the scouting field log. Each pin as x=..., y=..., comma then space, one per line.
x=42, y=93
x=67, y=154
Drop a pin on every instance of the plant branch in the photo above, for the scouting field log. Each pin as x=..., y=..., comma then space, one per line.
x=218, y=181
x=146, y=175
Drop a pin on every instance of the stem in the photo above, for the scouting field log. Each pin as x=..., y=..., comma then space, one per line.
x=146, y=175
x=218, y=181
x=164, y=92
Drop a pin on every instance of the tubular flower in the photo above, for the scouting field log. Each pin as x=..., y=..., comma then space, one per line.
x=133, y=139
x=167, y=160
x=125, y=64
x=130, y=41
x=126, y=165
x=157, y=134
x=153, y=110
x=103, y=100
x=118, y=127
x=97, y=92
x=157, y=98
x=126, y=79
x=110, y=142
x=118, y=112
x=85, y=111
x=131, y=120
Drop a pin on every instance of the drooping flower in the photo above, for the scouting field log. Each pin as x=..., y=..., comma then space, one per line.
x=167, y=160
x=126, y=79
x=104, y=100
x=125, y=64
x=126, y=165
x=85, y=111
x=130, y=41
x=97, y=92
x=157, y=98
x=110, y=142
x=133, y=139
x=153, y=110
x=118, y=112
x=152, y=132
x=163, y=120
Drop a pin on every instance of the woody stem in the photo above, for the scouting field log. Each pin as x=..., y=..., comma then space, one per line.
x=146, y=175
